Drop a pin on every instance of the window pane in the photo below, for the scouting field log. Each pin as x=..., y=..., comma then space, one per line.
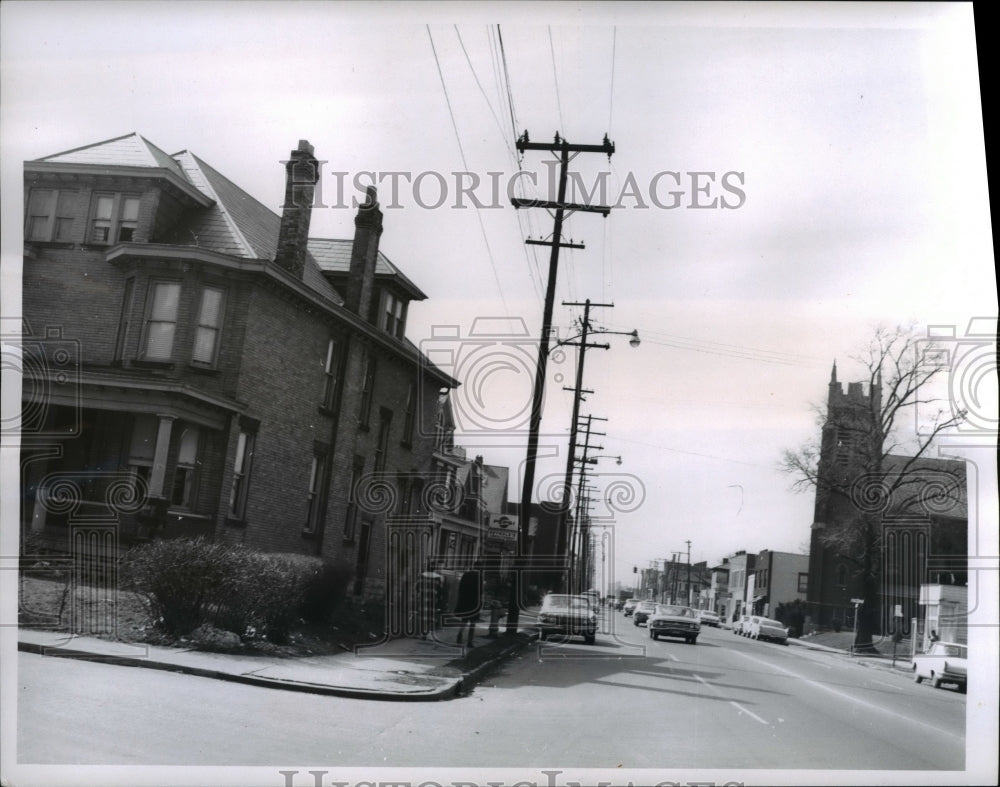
x=160, y=341
x=204, y=345
x=130, y=209
x=187, y=454
x=241, y=446
x=211, y=303
x=165, y=301
x=41, y=202
x=104, y=208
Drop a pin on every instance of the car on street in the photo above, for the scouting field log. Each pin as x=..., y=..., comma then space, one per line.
x=945, y=662
x=564, y=615
x=741, y=625
x=671, y=620
x=629, y=606
x=642, y=612
x=767, y=629
x=709, y=618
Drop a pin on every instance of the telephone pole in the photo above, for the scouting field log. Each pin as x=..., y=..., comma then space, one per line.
x=564, y=149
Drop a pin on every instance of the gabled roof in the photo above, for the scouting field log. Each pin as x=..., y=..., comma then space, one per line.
x=237, y=224
x=130, y=155
x=131, y=150
x=334, y=257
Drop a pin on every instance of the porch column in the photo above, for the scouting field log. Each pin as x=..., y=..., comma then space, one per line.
x=160, y=456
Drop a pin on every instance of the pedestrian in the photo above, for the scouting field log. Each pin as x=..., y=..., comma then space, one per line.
x=468, y=603
x=934, y=636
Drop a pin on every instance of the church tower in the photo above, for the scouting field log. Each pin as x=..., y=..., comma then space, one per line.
x=849, y=447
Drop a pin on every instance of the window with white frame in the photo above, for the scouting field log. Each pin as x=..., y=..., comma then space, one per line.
x=161, y=320
x=409, y=415
x=115, y=218
x=241, y=474
x=315, y=497
x=393, y=314
x=331, y=371
x=367, y=390
x=382, y=445
x=50, y=215
x=186, y=471
x=206, y=335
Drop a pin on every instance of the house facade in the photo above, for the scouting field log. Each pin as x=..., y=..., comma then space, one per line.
x=779, y=578
x=195, y=364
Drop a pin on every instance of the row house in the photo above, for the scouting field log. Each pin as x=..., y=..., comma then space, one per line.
x=779, y=578
x=195, y=364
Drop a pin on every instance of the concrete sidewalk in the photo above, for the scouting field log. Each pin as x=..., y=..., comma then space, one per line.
x=398, y=669
x=902, y=663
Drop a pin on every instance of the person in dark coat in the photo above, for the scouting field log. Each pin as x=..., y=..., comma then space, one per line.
x=467, y=605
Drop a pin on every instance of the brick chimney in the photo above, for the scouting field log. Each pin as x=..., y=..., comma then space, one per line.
x=301, y=177
x=364, y=254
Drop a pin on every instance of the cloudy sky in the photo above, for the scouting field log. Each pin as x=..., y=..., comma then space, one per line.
x=839, y=182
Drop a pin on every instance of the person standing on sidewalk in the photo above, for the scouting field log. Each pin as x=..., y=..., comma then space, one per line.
x=467, y=605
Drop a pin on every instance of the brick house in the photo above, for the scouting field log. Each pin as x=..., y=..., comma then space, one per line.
x=195, y=364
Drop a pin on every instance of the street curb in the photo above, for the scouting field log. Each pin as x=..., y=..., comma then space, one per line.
x=445, y=692
x=475, y=674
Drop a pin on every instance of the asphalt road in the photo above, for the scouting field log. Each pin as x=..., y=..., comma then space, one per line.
x=724, y=703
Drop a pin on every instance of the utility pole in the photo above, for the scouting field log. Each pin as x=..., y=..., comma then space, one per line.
x=563, y=148
x=578, y=392
x=581, y=527
x=689, y=573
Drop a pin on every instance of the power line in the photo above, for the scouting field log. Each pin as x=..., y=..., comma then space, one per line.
x=555, y=78
x=510, y=96
x=465, y=165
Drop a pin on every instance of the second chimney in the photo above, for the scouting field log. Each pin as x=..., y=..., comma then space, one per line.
x=364, y=256
x=301, y=177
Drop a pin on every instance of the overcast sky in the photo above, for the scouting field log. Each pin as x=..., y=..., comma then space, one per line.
x=844, y=156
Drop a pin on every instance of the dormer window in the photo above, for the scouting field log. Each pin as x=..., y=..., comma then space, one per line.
x=393, y=319
x=115, y=219
x=50, y=215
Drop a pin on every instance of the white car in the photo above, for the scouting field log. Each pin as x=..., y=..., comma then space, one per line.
x=945, y=662
x=709, y=618
x=766, y=628
x=671, y=620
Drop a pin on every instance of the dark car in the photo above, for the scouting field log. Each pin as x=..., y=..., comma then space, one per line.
x=671, y=620
x=642, y=611
x=566, y=616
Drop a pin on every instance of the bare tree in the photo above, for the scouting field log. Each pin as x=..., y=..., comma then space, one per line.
x=882, y=457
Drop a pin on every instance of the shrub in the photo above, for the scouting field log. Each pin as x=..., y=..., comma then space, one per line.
x=192, y=581
x=324, y=593
x=179, y=577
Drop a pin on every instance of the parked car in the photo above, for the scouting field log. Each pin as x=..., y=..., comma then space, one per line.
x=741, y=625
x=566, y=616
x=642, y=612
x=709, y=618
x=670, y=620
x=629, y=606
x=766, y=628
x=945, y=662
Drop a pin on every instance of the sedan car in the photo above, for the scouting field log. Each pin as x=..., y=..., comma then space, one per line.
x=642, y=612
x=629, y=607
x=945, y=662
x=766, y=628
x=709, y=618
x=670, y=620
x=566, y=616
